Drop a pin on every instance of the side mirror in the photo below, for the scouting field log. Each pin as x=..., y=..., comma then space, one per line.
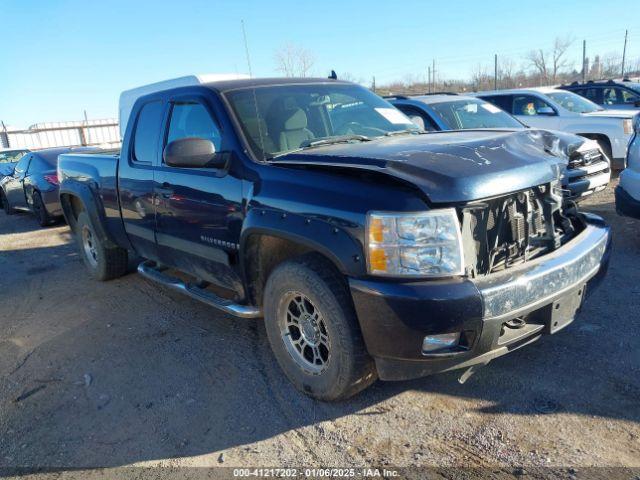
x=545, y=111
x=192, y=152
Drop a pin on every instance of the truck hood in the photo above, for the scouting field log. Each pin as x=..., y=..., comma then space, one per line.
x=612, y=113
x=451, y=167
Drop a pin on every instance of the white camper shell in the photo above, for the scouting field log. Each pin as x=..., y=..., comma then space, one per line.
x=129, y=97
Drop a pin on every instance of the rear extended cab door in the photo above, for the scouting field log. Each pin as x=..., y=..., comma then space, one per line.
x=136, y=174
x=199, y=211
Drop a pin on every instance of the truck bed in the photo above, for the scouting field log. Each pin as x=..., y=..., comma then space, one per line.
x=97, y=175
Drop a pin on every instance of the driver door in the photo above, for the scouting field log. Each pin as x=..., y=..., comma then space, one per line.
x=199, y=210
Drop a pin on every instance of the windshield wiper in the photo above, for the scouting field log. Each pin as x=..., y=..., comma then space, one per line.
x=334, y=140
x=412, y=131
x=322, y=142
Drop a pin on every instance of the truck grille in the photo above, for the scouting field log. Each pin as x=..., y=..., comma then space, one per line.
x=583, y=159
x=504, y=231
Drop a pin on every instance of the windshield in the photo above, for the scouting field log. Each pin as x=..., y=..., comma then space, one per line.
x=11, y=156
x=280, y=119
x=466, y=114
x=572, y=102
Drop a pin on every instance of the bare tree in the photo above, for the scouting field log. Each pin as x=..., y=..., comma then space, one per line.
x=349, y=77
x=611, y=64
x=538, y=60
x=549, y=64
x=559, y=60
x=506, y=72
x=294, y=61
x=480, y=77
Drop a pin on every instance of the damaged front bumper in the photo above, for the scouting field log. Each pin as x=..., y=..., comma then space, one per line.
x=494, y=315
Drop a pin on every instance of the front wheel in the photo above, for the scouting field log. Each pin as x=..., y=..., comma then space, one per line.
x=103, y=263
x=313, y=330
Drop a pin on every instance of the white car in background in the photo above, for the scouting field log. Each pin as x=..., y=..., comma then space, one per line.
x=628, y=190
x=555, y=109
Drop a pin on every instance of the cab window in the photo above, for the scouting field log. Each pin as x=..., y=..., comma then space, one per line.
x=191, y=119
x=418, y=117
x=147, y=131
x=528, y=105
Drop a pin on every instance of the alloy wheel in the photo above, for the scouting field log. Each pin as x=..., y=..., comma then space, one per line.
x=304, y=333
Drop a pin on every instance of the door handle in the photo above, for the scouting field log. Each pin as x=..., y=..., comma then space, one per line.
x=163, y=192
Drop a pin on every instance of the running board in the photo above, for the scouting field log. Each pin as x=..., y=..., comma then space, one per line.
x=148, y=270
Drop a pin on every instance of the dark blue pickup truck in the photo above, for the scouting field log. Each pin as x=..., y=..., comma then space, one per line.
x=372, y=249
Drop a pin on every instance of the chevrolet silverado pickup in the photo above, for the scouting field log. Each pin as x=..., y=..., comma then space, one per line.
x=371, y=248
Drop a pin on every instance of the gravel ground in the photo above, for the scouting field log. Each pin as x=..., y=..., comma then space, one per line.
x=126, y=373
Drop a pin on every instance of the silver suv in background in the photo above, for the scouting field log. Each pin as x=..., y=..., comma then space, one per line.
x=628, y=190
x=588, y=169
x=554, y=109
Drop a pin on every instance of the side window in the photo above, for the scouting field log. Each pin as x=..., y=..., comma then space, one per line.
x=147, y=132
x=591, y=94
x=193, y=120
x=610, y=96
x=418, y=117
x=619, y=96
x=502, y=101
x=528, y=105
x=629, y=97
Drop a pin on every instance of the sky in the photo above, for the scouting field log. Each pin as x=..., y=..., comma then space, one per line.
x=62, y=57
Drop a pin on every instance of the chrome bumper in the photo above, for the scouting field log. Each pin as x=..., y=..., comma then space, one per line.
x=538, y=282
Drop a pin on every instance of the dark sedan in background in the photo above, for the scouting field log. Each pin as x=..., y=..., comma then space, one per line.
x=9, y=159
x=588, y=169
x=33, y=185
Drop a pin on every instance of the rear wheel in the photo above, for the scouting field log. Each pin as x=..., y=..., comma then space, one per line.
x=5, y=204
x=40, y=210
x=104, y=263
x=313, y=330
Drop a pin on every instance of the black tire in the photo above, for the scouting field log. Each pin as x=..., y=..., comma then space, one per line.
x=40, y=211
x=5, y=204
x=348, y=368
x=103, y=263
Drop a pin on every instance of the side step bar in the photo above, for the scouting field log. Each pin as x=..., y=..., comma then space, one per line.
x=148, y=270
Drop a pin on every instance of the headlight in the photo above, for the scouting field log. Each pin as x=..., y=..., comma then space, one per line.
x=627, y=126
x=425, y=244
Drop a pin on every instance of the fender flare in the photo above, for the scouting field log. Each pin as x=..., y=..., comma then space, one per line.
x=91, y=203
x=328, y=238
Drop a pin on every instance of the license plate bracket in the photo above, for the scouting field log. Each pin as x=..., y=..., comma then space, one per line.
x=564, y=309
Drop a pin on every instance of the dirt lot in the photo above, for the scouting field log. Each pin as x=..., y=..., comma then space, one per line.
x=126, y=373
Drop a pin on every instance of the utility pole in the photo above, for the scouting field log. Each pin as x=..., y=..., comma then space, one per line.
x=429, y=81
x=495, y=71
x=433, y=75
x=373, y=84
x=624, y=50
x=584, y=60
